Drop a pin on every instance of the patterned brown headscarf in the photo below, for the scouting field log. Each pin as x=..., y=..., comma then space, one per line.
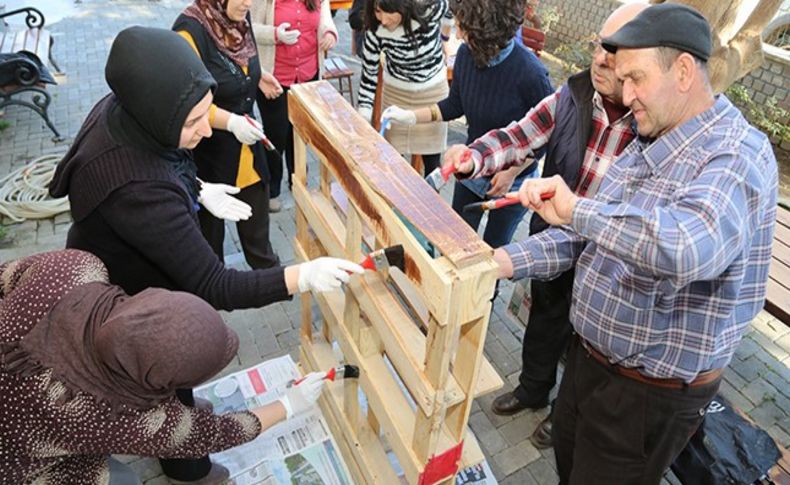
x=125, y=350
x=234, y=39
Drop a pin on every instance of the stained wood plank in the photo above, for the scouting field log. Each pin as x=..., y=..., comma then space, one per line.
x=396, y=416
x=402, y=340
x=342, y=133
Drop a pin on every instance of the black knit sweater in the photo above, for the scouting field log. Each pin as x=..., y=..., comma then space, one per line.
x=131, y=210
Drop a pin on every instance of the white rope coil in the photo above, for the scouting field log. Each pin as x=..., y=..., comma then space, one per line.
x=24, y=192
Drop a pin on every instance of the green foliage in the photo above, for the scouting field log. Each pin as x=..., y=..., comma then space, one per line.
x=548, y=15
x=577, y=54
x=4, y=124
x=769, y=117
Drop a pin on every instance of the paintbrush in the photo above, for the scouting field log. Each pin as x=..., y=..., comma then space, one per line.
x=502, y=202
x=384, y=125
x=382, y=259
x=347, y=371
x=265, y=140
x=441, y=175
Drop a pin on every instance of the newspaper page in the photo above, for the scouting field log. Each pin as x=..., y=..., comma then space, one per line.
x=298, y=451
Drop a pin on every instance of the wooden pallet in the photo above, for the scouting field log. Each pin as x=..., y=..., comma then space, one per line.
x=419, y=384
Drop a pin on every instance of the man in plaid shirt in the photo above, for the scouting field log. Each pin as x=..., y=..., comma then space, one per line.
x=584, y=126
x=672, y=258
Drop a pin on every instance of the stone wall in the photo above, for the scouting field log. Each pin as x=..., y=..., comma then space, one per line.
x=578, y=19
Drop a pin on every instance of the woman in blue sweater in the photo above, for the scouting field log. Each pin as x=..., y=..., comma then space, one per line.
x=495, y=82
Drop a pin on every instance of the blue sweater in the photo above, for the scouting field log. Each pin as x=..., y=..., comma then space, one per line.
x=492, y=97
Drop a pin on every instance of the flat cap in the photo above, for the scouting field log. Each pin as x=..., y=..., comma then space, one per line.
x=664, y=25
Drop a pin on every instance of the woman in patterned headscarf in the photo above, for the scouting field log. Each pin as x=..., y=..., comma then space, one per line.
x=87, y=371
x=220, y=32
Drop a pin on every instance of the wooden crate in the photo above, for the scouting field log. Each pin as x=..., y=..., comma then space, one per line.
x=417, y=338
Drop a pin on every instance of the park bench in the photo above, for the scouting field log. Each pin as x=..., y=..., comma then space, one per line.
x=27, y=85
x=777, y=299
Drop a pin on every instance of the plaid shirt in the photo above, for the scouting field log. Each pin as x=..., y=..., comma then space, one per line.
x=672, y=255
x=500, y=149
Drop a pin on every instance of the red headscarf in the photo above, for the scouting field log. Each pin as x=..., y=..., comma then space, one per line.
x=234, y=39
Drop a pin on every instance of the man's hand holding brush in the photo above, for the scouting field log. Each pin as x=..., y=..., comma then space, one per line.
x=550, y=197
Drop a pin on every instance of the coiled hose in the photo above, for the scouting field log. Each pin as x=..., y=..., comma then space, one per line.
x=24, y=192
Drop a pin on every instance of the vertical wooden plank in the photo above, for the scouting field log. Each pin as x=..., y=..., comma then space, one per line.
x=466, y=369
x=351, y=317
x=439, y=349
x=300, y=159
x=325, y=180
x=303, y=234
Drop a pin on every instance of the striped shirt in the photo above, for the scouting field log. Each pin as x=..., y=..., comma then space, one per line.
x=500, y=149
x=412, y=63
x=672, y=255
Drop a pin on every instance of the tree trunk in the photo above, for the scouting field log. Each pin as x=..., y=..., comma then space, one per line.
x=737, y=44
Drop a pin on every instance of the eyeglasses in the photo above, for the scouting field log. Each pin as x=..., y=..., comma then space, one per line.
x=595, y=45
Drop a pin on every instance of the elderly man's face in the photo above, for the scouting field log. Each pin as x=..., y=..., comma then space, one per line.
x=650, y=92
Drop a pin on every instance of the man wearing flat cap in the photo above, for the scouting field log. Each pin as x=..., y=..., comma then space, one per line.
x=671, y=255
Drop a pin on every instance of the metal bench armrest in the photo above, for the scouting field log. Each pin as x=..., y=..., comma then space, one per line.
x=33, y=18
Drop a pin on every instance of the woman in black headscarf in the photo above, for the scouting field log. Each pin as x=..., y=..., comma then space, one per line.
x=87, y=371
x=134, y=198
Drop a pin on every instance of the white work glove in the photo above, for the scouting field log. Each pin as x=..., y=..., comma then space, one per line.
x=246, y=130
x=399, y=115
x=325, y=274
x=286, y=36
x=303, y=396
x=366, y=112
x=216, y=199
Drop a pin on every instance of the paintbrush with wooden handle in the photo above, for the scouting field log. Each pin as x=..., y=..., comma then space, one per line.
x=510, y=199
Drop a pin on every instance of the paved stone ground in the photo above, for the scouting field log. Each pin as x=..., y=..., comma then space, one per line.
x=757, y=380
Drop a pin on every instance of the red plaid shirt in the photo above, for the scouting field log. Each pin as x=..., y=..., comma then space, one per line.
x=515, y=144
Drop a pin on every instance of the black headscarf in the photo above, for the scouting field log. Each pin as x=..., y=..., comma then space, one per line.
x=157, y=79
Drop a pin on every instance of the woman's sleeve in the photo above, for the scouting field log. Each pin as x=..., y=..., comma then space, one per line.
x=327, y=23
x=153, y=218
x=371, y=52
x=262, y=29
x=169, y=430
x=452, y=107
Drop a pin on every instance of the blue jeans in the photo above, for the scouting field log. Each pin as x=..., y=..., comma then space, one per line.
x=502, y=223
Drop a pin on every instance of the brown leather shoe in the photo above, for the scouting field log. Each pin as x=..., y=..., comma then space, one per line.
x=508, y=404
x=541, y=437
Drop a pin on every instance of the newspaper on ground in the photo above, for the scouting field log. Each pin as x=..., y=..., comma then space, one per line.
x=295, y=452
x=298, y=451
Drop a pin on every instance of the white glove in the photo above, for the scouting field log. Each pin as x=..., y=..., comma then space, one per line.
x=325, y=274
x=399, y=115
x=216, y=200
x=286, y=36
x=303, y=396
x=246, y=130
x=366, y=112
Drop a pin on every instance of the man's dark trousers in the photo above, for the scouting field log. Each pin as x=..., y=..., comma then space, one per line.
x=545, y=339
x=609, y=428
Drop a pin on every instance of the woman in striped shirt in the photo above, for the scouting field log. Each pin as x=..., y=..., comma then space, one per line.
x=410, y=35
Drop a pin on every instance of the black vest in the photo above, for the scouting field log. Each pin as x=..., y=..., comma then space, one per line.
x=568, y=142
